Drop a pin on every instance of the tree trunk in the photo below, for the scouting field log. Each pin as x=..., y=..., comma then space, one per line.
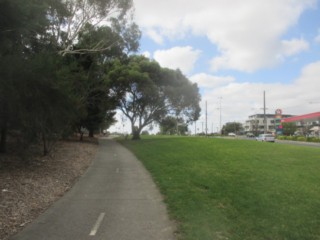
x=81, y=136
x=135, y=132
x=3, y=140
x=136, y=135
x=91, y=133
x=45, y=145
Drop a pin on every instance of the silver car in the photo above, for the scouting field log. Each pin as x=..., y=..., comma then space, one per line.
x=266, y=138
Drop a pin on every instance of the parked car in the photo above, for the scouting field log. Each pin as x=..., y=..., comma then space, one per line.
x=231, y=134
x=266, y=138
x=250, y=135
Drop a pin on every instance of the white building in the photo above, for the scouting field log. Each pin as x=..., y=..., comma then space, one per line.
x=255, y=123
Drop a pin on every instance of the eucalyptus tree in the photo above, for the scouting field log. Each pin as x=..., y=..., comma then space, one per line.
x=32, y=34
x=68, y=22
x=232, y=127
x=98, y=106
x=172, y=125
x=23, y=25
x=149, y=93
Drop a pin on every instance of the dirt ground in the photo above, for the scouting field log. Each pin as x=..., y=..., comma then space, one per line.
x=29, y=185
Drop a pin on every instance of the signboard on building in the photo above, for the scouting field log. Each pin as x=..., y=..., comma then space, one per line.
x=277, y=122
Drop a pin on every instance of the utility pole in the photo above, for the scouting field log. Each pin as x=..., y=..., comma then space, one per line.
x=264, y=112
x=315, y=102
x=206, y=120
x=220, y=114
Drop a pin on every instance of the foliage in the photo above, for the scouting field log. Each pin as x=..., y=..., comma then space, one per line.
x=171, y=125
x=289, y=128
x=44, y=95
x=217, y=189
x=148, y=93
x=96, y=103
x=232, y=127
x=298, y=138
x=301, y=139
x=20, y=22
x=70, y=19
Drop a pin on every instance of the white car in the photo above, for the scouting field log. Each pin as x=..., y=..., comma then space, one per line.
x=231, y=134
x=266, y=138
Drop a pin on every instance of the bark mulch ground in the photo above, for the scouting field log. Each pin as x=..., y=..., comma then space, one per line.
x=29, y=185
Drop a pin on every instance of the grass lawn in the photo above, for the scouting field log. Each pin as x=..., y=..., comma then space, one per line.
x=236, y=189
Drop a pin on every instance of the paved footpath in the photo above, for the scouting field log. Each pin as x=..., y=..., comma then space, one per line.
x=116, y=199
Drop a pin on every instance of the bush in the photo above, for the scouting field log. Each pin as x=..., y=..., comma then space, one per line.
x=313, y=139
x=301, y=139
x=290, y=138
x=298, y=138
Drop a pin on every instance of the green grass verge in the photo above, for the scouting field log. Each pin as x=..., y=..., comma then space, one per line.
x=233, y=189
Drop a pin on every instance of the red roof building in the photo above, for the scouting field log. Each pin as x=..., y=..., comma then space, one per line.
x=311, y=117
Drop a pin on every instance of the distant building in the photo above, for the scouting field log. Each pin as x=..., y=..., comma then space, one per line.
x=255, y=123
x=307, y=123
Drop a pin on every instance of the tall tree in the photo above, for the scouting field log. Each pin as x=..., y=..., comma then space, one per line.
x=149, y=93
x=69, y=22
x=31, y=34
x=232, y=127
x=20, y=22
x=172, y=125
x=96, y=101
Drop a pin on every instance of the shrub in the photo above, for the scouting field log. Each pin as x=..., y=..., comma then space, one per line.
x=313, y=139
x=298, y=138
x=301, y=139
x=290, y=138
x=281, y=137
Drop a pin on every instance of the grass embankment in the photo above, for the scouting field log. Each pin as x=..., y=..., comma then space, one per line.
x=229, y=189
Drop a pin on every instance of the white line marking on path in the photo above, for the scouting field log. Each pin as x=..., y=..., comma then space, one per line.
x=97, y=225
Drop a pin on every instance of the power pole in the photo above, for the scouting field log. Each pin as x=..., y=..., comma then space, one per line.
x=220, y=115
x=206, y=120
x=264, y=112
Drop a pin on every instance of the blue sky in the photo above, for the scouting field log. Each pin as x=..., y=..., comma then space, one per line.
x=236, y=49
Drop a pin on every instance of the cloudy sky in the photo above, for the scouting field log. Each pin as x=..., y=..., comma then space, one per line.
x=236, y=49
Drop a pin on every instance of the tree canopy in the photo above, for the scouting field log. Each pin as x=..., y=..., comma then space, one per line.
x=54, y=55
x=232, y=127
x=67, y=65
x=149, y=93
x=289, y=129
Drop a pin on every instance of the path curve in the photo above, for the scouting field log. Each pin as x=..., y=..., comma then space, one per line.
x=116, y=199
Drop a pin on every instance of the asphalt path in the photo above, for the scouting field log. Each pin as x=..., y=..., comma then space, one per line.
x=116, y=199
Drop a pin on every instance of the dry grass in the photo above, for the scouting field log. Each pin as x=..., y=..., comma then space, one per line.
x=29, y=186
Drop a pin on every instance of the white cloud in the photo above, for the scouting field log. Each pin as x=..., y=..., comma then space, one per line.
x=247, y=33
x=294, y=46
x=309, y=80
x=183, y=58
x=317, y=38
x=155, y=36
x=239, y=100
x=209, y=81
x=146, y=54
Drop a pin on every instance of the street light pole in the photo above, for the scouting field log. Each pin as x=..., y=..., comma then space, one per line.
x=206, y=120
x=220, y=98
x=264, y=112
